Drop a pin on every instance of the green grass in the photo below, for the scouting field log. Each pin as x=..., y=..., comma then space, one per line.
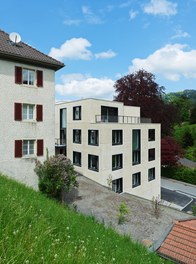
x=35, y=229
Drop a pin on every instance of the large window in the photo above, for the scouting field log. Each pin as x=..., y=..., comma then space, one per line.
x=151, y=135
x=93, y=137
x=77, y=113
x=28, y=76
x=117, y=137
x=28, y=112
x=109, y=114
x=136, y=179
x=28, y=147
x=151, y=154
x=93, y=162
x=136, y=152
x=151, y=174
x=77, y=136
x=77, y=158
x=117, y=162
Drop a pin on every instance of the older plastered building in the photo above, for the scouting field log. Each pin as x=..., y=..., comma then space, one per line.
x=110, y=144
x=26, y=108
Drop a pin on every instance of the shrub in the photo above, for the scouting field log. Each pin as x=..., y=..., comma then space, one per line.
x=123, y=211
x=56, y=176
x=180, y=173
x=187, y=139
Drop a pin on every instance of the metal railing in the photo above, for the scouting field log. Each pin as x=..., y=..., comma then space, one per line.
x=60, y=142
x=121, y=119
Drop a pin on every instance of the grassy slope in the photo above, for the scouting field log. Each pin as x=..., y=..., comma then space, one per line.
x=34, y=229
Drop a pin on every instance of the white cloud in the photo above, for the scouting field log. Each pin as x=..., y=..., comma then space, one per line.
x=83, y=86
x=90, y=17
x=180, y=34
x=75, y=48
x=70, y=22
x=161, y=7
x=171, y=61
x=132, y=14
x=105, y=55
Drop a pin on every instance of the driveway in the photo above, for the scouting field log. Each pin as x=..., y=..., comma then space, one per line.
x=103, y=204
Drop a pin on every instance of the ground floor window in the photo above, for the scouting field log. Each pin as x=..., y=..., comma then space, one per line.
x=151, y=174
x=93, y=162
x=77, y=158
x=136, y=179
x=117, y=185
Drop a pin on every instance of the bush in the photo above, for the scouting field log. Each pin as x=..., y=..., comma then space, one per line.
x=56, y=176
x=123, y=212
x=180, y=173
x=187, y=139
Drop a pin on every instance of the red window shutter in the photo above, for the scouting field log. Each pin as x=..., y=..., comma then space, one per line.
x=18, y=75
x=40, y=78
x=17, y=111
x=39, y=116
x=18, y=148
x=40, y=147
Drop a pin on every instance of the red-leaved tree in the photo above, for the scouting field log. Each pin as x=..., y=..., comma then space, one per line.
x=170, y=152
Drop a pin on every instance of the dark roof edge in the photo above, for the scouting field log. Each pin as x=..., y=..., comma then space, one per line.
x=44, y=64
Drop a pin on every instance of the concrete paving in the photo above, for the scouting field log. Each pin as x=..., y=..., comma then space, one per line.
x=178, y=195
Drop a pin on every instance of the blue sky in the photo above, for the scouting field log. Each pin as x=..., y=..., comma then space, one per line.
x=101, y=41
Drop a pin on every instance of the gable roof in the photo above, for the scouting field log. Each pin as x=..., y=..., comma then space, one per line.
x=180, y=244
x=22, y=52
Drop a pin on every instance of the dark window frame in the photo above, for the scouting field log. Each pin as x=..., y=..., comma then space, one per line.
x=151, y=154
x=151, y=134
x=117, y=162
x=75, y=131
x=96, y=137
x=151, y=176
x=136, y=152
x=77, y=155
x=96, y=161
x=136, y=182
x=117, y=137
x=77, y=116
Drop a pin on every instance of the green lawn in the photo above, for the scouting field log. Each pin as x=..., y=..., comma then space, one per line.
x=35, y=229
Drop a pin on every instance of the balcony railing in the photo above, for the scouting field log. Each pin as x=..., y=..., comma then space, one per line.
x=60, y=142
x=121, y=119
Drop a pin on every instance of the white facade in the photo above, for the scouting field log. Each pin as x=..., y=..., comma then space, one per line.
x=112, y=155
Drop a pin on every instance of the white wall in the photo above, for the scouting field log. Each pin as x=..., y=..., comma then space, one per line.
x=21, y=168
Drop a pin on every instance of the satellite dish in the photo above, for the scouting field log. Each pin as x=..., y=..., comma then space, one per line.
x=15, y=37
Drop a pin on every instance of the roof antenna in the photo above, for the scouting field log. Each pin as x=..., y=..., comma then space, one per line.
x=15, y=37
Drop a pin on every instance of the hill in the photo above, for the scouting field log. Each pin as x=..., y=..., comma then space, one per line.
x=189, y=94
x=35, y=229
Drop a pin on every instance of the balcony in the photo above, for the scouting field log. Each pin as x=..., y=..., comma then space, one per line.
x=60, y=142
x=121, y=119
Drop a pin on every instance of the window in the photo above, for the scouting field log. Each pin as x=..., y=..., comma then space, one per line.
x=28, y=76
x=117, y=162
x=117, y=137
x=109, y=114
x=136, y=179
x=151, y=174
x=93, y=162
x=28, y=148
x=136, y=153
x=77, y=136
x=27, y=112
x=151, y=135
x=77, y=113
x=117, y=185
x=151, y=154
x=93, y=137
x=77, y=158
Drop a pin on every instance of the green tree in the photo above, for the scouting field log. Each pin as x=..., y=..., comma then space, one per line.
x=193, y=115
x=56, y=175
x=187, y=139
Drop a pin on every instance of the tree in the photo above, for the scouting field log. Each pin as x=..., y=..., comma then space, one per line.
x=170, y=152
x=187, y=139
x=193, y=115
x=140, y=89
x=56, y=176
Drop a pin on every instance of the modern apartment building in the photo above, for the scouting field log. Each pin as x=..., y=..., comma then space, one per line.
x=27, y=116
x=110, y=144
